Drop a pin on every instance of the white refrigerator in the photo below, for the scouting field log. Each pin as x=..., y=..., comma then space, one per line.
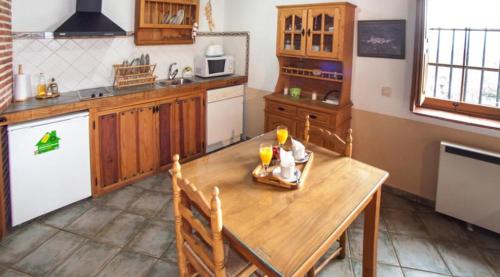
x=49, y=165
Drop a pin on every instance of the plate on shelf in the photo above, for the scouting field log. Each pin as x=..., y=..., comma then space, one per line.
x=166, y=18
x=180, y=17
x=293, y=179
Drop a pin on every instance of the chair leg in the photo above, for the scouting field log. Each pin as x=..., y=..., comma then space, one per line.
x=343, y=245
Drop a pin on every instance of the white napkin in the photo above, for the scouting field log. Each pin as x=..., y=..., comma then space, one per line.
x=299, y=150
x=287, y=164
x=286, y=158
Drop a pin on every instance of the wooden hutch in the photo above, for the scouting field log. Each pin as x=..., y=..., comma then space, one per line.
x=165, y=21
x=314, y=49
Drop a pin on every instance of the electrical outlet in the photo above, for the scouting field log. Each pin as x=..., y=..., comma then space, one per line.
x=386, y=91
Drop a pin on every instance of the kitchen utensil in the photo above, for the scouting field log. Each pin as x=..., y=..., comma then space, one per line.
x=147, y=59
x=22, y=85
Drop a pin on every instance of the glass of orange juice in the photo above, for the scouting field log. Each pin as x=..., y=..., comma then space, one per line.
x=266, y=155
x=282, y=135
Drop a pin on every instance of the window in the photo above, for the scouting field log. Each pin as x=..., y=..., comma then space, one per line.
x=457, y=67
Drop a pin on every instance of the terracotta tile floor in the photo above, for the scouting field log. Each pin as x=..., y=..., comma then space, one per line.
x=130, y=233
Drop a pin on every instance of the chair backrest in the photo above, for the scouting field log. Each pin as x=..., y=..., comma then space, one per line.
x=200, y=248
x=329, y=139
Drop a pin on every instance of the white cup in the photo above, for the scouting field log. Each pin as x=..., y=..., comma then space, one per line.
x=287, y=171
x=299, y=154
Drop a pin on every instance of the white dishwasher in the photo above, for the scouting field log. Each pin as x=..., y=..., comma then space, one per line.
x=224, y=116
x=49, y=165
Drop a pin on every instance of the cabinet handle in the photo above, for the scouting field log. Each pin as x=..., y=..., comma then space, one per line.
x=309, y=32
x=312, y=116
x=303, y=32
x=281, y=109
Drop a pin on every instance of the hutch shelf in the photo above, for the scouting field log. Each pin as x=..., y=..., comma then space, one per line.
x=314, y=49
x=165, y=21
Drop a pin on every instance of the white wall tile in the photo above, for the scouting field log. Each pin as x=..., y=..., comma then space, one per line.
x=85, y=63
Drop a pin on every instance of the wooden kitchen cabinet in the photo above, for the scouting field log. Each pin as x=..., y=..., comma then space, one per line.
x=166, y=131
x=322, y=67
x=130, y=143
x=314, y=30
x=292, y=113
x=292, y=30
x=153, y=26
x=273, y=121
x=190, y=117
x=106, y=149
x=148, y=140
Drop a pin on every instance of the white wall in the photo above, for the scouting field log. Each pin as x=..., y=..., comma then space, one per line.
x=370, y=74
x=87, y=63
x=46, y=16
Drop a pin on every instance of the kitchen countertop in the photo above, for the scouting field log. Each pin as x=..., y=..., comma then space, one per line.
x=34, y=108
x=72, y=97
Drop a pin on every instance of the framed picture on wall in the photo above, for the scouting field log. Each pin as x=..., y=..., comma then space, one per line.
x=382, y=39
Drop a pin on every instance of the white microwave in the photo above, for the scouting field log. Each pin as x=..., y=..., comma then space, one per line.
x=206, y=67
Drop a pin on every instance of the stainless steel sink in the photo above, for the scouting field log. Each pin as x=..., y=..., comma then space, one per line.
x=174, y=82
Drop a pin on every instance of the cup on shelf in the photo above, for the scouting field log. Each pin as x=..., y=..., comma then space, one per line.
x=315, y=48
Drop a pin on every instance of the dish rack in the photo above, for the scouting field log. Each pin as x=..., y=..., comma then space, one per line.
x=136, y=75
x=312, y=74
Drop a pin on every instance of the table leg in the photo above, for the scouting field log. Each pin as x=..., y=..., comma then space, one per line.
x=343, y=245
x=370, y=236
x=311, y=273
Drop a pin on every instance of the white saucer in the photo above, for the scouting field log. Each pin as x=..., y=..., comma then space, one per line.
x=305, y=159
x=294, y=179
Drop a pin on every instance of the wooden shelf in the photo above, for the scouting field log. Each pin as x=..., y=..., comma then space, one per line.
x=183, y=2
x=151, y=18
x=312, y=74
x=167, y=26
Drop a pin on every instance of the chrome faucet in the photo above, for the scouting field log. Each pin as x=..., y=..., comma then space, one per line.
x=172, y=74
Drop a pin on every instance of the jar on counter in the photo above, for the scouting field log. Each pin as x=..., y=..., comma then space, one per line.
x=42, y=85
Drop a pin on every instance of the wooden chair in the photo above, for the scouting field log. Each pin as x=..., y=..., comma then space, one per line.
x=200, y=248
x=332, y=141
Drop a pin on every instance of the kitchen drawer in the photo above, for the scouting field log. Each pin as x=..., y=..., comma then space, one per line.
x=282, y=109
x=273, y=121
x=316, y=118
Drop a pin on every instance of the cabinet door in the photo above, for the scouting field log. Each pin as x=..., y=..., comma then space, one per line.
x=273, y=121
x=292, y=31
x=129, y=150
x=166, y=132
x=323, y=32
x=191, y=128
x=147, y=130
x=107, y=140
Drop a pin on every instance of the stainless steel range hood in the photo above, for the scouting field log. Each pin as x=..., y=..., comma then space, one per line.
x=89, y=21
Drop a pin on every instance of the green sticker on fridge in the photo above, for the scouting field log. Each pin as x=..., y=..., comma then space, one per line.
x=49, y=142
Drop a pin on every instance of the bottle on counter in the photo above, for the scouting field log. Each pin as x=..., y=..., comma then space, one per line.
x=42, y=85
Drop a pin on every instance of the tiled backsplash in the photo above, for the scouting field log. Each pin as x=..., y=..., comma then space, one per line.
x=87, y=63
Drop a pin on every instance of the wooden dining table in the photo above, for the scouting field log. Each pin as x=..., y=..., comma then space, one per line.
x=286, y=232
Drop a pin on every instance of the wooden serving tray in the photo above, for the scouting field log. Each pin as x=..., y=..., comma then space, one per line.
x=54, y=95
x=279, y=182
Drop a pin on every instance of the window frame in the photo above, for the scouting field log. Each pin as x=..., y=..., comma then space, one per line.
x=420, y=102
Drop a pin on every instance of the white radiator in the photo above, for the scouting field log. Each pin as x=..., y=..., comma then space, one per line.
x=469, y=185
